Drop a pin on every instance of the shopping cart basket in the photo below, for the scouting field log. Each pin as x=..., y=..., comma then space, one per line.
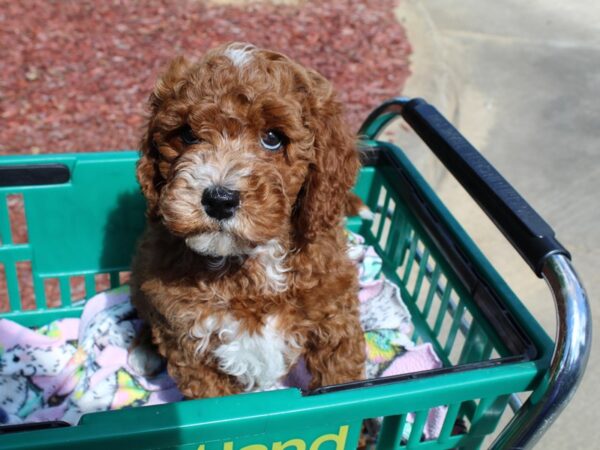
x=84, y=213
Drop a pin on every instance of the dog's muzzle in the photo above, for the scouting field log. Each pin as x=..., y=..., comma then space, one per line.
x=219, y=202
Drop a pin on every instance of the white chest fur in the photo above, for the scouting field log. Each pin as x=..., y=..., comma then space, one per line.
x=258, y=360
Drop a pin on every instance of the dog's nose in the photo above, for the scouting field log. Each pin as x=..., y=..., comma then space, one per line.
x=220, y=202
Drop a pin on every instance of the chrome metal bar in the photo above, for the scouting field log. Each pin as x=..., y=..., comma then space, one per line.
x=573, y=341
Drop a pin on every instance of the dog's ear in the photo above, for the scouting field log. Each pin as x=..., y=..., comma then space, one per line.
x=147, y=171
x=321, y=202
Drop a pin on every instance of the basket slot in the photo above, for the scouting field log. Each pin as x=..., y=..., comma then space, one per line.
x=417, y=428
x=52, y=292
x=24, y=276
x=9, y=284
x=482, y=408
x=449, y=422
x=17, y=220
x=376, y=202
x=442, y=336
x=384, y=224
x=475, y=345
x=437, y=310
x=12, y=286
x=433, y=287
x=78, y=287
x=422, y=293
x=486, y=417
x=397, y=241
x=102, y=282
x=487, y=350
x=457, y=348
x=393, y=221
x=410, y=260
x=4, y=307
x=15, y=253
x=372, y=201
x=390, y=229
x=454, y=327
x=5, y=231
x=124, y=277
x=65, y=291
x=467, y=411
x=39, y=292
x=90, y=285
x=424, y=259
x=443, y=311
x=390, y=435
x=114, y=279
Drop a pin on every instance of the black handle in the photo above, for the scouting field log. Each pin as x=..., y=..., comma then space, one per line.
x=531, y=236
x=34, y=175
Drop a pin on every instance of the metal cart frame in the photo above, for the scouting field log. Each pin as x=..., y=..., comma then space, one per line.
x=533, y=238
x=478, y=387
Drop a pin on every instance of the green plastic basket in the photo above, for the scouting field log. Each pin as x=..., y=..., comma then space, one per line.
x=84, y=213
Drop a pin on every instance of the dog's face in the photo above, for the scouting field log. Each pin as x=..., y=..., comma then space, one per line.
x=245, y=149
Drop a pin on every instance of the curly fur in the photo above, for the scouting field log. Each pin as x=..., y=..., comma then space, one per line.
x=233, y=304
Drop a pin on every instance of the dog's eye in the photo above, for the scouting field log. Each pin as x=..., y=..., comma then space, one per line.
x=272, y=140
x=187, y=136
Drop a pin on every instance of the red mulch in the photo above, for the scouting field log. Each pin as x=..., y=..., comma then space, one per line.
x=75, y=74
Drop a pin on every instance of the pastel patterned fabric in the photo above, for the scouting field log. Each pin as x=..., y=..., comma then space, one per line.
x=74, y=366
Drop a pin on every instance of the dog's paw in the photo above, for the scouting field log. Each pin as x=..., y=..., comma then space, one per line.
x=365, y=213
x=145, y=361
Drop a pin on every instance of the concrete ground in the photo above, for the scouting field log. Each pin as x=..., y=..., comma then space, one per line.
x=521, y=81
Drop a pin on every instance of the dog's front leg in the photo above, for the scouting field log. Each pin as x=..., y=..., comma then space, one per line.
x=195, y=379
x=195, y=374
x=336, y=351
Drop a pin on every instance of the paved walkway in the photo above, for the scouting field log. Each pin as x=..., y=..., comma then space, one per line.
x=521, y=80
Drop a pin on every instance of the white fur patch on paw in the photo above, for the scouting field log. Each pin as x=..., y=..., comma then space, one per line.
x=145, y=361
x=365, y=213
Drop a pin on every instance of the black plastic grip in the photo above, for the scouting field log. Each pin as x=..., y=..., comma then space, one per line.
x=34, y=175
x=531, y=236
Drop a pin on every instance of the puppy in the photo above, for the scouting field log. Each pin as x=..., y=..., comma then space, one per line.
x=246, y=167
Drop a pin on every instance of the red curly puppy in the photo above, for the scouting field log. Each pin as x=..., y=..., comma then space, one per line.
x=246, y=167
